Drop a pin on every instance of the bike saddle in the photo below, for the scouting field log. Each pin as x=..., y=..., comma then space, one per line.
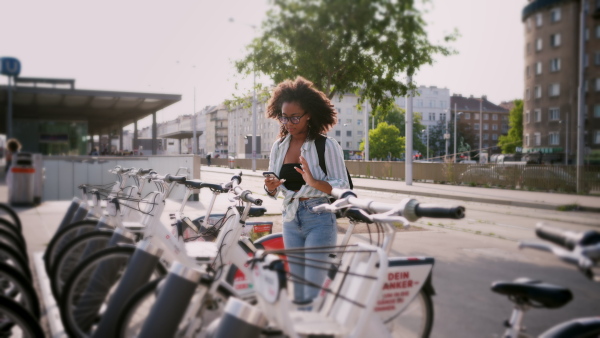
x=533, y=292
x=254, y=211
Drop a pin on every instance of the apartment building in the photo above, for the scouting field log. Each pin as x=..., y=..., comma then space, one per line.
x=431, y=102
x=475, y=113
x=217, y=130
x=552, y=60
x=241, y=130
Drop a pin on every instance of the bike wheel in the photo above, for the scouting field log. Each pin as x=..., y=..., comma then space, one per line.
x=138, y=307
x=15, y=259
x=13, y=241
x=76, y=251
x=63, y=236
x=7, y=225
x=13, y=215
x=416, y=320
x=88, y=290
x=16, y=321
x=14, y=285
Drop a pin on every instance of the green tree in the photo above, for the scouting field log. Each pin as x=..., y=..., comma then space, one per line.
x=383, y=141
x=360, y=47
x=514, y=138
x=396, y=116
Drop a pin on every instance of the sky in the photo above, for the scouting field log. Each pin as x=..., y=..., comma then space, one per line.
x=175, y=46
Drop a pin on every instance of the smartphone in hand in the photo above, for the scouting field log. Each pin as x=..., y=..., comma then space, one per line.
x=270, y=174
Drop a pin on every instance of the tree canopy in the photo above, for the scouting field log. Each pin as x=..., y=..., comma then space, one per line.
x=384, y=141
x=514, y=138
x=361, y=46
x=396, y=116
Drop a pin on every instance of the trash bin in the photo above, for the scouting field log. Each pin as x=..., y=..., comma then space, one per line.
x=21, y=181
x=39, y=178
x=231, y=162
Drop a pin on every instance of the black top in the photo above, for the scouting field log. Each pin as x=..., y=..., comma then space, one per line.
x=293, y=179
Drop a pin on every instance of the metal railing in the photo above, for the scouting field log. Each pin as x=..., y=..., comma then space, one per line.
x=556, y=178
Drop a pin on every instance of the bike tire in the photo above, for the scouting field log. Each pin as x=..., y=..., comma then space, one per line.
x=76, y=251
x=17, y=321
x=80, y=320
x=416, y=320
x=13, y=241
x=15, y=259
x=6, y=224
x=139, y=305
x=16, y=221
x=63, y=236
x=14, y=285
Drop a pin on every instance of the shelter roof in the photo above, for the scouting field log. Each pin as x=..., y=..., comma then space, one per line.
x=103, y=110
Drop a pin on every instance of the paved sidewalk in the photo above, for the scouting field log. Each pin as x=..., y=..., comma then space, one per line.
x=519, y=198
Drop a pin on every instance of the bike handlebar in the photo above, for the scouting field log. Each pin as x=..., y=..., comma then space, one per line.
x=567, y=239
x=179, y=179
x=244, y=195
x=409, y=208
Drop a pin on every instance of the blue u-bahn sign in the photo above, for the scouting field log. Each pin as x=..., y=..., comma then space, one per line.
x=10, y=66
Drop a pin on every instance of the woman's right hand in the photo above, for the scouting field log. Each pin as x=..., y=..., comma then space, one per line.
x=272, y=183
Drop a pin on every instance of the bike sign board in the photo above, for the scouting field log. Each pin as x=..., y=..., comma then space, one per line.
x=10, y=66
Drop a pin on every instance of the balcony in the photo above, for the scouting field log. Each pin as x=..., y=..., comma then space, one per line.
x=215, y=118
x=221, y=127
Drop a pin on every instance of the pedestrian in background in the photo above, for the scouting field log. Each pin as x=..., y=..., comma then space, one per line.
x=208, y=159
x=13, y=146
x=305, y=113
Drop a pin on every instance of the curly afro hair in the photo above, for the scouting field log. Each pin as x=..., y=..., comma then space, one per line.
x=314, y=102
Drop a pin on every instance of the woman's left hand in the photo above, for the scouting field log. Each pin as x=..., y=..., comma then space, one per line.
x=304, y=170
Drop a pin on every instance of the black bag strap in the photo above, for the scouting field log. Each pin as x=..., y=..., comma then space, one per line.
x=320, y=144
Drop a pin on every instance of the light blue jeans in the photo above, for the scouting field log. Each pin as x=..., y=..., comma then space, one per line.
x=309, y=229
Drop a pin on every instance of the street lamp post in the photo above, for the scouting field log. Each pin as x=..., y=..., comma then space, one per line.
x=455, y=115
x=253, y=103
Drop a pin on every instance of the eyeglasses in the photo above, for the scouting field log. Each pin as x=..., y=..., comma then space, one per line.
x=293, y=119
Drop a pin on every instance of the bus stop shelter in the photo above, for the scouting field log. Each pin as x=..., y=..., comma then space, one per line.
x=104, y=111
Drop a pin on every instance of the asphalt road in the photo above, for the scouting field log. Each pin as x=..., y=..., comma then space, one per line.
x=472, y=253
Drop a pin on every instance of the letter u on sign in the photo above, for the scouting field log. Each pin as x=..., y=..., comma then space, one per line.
x=10, y=66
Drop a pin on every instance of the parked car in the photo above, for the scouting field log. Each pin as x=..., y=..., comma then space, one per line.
x=480, y=175
x=548, y=178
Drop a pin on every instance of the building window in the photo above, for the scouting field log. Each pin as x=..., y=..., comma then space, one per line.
x=495, y=137
x=360, y=133
x=467, y=116
x=485, y=126
x=431, y=116
x=555, y=40
x=597, y=84
x=597, y=137
x=586, y=60
x=348, y=120
x=555, y=15
x=476, y=116
x=554, y=89
x=596, y=110
x=348, y=132
x=537, y=139
x=538, y=92
x=486, y=136
x=537, y=115
x=442, y=116
x=538, y=44
x=359, y=122
x=495, y=117
x=553, y=138
x=555, y=65
x=432, y=104
x=598, y=31
x=528, y=48
x=476, y=126
x=349, y=110
x=527, y=140
x=538, y=20
x=338, y=133
x=597, y=58
x=494, y=127
x=527, y=71
x=538, y=68
x=486, y=116
x=527, y=94
x=419, y=103
x=527, y=119
x=554, y=114
x=347, y=144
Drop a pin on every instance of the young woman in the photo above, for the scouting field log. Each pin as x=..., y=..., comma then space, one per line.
x=305, y=113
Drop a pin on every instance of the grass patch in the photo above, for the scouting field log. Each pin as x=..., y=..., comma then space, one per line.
x=568, y=207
